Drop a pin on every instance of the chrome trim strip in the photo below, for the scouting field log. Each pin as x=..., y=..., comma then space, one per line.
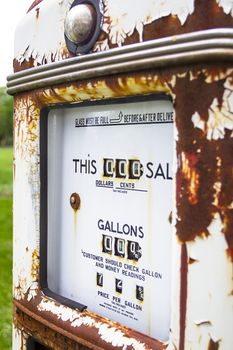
x=183, y=49
x=200, y=35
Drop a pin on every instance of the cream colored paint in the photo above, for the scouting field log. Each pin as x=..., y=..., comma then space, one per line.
x=227, y=6
x=210, y=297
x=109, y=334
x=119, y=22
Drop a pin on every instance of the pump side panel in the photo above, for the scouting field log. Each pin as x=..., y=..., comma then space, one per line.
x=202, y=213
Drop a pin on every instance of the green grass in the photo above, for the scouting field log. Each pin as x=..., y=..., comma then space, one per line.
x=5, y=247
x=6, y=159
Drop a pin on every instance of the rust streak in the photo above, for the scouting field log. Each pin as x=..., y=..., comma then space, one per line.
x=34, y=4
x=213, y=345
x=183, y=294
x=191, y=175
x=37, y=12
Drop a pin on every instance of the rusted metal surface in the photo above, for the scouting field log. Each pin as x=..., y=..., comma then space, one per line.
x=183, y=294
x=202, y=268
x=202, y=46
x=200, y=216
x=55, y=337
x=20, y=338
x=84, y=330
x=150, y=20
x=155, y=19
x=202, y=295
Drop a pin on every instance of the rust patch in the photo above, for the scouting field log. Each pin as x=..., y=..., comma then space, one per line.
x=46, y=327
x=30, y=62
x=226, y=195
x=192, y=261
x=24, y=339
x=37, y=12
x=26, y=64
x=43, y=334
x=107, y=88
x=35, y=265
x=198, y=157
x=26, y=127
x=183, y=294
x=75, y=201
x=213, y=345
x=203, y=18
x=228, y=224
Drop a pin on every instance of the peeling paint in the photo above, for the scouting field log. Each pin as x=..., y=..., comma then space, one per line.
x=208, y=301
x=30, y=44
x=227, y=6
x=27, y=175
x=120, y=21
x=220, y=118
x=118, y=339
x=19, y=340
x=156, y=19
x=202, y=218
x=26, y=127
x=151, y=19
x=109, y=334
x=26, y=217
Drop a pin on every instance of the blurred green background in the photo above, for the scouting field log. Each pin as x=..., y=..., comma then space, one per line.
x=6, y=160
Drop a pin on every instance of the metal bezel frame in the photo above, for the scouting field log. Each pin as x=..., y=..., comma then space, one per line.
x=44, y=185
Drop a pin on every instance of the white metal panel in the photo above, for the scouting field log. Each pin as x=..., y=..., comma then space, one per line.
x=118, y=243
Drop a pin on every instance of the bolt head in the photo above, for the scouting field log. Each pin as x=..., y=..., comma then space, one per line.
x=80, y=23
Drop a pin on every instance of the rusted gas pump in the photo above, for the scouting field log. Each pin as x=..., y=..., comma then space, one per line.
x=123, y=175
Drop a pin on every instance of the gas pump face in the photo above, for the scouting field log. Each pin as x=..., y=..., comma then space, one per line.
x=116, y=160
x=123, y=176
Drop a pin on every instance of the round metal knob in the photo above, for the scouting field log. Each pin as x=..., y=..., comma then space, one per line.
x=80, y=23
